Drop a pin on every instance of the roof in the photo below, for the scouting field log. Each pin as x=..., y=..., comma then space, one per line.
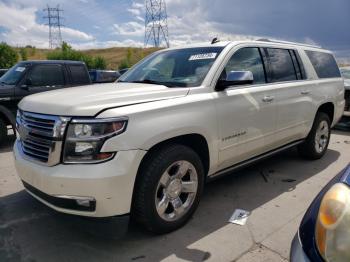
x=267, y=42
x=51, y=62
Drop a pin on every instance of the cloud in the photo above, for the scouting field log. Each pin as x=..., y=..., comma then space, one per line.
x=107, y=44
x=21, y=28
x=131, y=28
x=121, y=23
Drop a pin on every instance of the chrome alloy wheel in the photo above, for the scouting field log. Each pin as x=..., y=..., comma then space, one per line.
x=322, y=136
x=176, y=190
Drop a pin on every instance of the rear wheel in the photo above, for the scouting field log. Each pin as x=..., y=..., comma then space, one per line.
x=3, y=131
x=168, y=188
x=316, y=143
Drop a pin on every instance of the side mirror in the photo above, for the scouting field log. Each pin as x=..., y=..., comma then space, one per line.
x=28, y=82
x=235, y=78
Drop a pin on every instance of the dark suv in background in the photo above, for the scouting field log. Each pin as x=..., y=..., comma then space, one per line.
x=30, y=77
x=2, y=72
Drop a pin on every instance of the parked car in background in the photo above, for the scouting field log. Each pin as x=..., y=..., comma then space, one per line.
x=324, y=232
x=103, y=76
x=146, y=144
x=30, y=77
x=2, y=72
x=345, y=71
x=123, y=71
x=344, y=123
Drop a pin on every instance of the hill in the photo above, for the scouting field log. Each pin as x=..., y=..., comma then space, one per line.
x=114, y=56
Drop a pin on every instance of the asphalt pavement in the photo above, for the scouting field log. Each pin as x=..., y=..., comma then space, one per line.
x=276, y=191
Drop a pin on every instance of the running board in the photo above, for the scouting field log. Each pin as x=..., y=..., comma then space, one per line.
x=252, y=160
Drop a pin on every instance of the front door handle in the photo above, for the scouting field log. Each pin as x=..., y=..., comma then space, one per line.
x=268, y=99
x=305, y=92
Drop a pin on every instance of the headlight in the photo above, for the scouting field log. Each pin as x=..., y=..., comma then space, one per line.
x=333, y=224
x=85, y=138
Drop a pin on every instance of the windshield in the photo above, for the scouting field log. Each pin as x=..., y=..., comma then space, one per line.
x=12, y=76
x=345, y=73
x=174, y=68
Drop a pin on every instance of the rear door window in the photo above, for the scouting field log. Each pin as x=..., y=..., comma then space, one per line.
x=79, y=75
x=281, y=65
x=324, y=64
x=47, y=75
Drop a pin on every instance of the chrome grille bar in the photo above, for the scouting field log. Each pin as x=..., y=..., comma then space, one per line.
x=41, y=136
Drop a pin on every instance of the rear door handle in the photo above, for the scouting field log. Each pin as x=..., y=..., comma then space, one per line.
x=268, y=99
x=305, y=92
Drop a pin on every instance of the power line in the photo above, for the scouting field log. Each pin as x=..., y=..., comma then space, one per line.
x=156, y=23
x=54, y=22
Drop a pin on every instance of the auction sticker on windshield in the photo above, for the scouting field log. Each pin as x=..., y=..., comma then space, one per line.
x=202, y=56
x=20, y=69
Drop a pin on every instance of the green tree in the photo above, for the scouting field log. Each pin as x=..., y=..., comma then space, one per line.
x=23, y=53
x=123, y=64
x=129, y=55
x=127, y=61
x=66, y=52
x=8, y=56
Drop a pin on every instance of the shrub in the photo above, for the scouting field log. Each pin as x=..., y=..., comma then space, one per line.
x=8, y=56
x=100, y=63
x=132, y=57
x=67, y=53
x=23, y=53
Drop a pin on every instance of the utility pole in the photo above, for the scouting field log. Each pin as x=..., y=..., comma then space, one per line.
x=54, y=19
x=156, y=23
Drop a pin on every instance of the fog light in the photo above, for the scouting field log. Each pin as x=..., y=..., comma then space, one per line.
x=83, y=202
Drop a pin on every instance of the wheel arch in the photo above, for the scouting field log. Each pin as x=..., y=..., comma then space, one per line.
x=328, y=108
x=7, y=117
x=197, y=142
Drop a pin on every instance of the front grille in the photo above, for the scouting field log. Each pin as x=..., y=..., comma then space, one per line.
x=41, y=136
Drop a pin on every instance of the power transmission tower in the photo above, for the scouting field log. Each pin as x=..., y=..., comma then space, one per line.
x=156, y=23
x=54, y=22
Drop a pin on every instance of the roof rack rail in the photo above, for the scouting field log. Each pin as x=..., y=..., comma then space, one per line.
x=286, y=42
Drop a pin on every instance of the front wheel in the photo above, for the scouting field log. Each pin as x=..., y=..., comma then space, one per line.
x=316, y=143
x=168, y=188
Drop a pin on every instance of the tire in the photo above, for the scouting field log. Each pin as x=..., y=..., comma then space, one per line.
x=161, y=183
x=316, y=143
x=3, y=131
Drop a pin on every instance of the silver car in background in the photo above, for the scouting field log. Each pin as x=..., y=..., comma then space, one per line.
x=345, y=71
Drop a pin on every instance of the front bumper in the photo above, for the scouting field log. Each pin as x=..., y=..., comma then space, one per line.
x=108, y=185
x=297, y=253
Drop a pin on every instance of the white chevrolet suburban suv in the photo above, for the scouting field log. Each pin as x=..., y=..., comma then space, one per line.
x=145, y=145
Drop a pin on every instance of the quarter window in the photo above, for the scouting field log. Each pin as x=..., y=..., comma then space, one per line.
x=324, y=64
x=47, y=75
x=247, y=59
x=281, y=65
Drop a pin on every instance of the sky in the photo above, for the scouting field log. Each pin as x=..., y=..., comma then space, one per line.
x=107, y=23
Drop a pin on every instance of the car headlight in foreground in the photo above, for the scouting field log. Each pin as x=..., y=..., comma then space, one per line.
x=85, y=138
x=333, y=224
x=324, y=231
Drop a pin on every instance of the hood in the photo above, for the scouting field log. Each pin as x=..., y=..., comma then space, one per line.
x=90, y=100
x=347, y=84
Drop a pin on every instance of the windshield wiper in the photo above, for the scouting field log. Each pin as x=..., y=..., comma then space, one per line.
x=149, y=81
